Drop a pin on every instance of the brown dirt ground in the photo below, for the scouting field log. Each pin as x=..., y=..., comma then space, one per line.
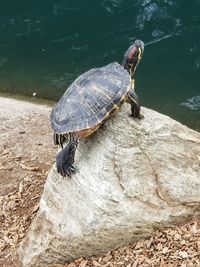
x=26, y=155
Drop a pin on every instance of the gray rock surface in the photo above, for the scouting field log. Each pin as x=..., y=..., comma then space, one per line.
x=132, y=177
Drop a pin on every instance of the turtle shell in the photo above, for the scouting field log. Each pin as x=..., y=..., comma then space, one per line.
x=90, y=99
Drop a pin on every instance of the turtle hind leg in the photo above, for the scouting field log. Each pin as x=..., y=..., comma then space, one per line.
x=65, y=158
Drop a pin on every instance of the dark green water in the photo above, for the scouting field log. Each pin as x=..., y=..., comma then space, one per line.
x=46, y=44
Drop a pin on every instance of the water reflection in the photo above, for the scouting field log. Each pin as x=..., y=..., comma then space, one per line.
x=192, y=103
x=45, y=45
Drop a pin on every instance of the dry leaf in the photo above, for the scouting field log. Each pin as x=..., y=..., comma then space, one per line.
x=165, y=249
x=95, y=263
x=16, y=238
x=162, y=263
x=159, y=246
x=177, y=236
x=6, y=239
x=149, y=243
x=135, y=264
x=140, y=244
x=78, y=261
x=107, y=258
x=183, y=254
x=36, y=208
x=182, y=242
x=6, y=151
x=20, y=190
x=28, y=168
x=83, y=263
x=193, y=229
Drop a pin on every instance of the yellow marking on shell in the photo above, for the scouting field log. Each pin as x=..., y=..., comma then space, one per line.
x=116, y=79
x=116, y=108
x=87, y=132
x=107, y=115
x=123, y=99
x=90, y=108
x=101, y=91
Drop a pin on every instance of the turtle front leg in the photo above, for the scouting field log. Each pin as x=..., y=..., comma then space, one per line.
x=65, y=158
x=133, y=99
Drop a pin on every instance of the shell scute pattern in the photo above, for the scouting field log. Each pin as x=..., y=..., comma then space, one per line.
x=90, y=98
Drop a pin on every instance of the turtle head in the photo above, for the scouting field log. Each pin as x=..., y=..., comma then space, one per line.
x=133, y=56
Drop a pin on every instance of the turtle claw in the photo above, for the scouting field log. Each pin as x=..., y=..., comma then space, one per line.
x=70, y=170
x=65, y=169
x=140, y=117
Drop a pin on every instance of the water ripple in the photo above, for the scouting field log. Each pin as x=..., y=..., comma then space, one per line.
x=192, y=103
x=72, y=37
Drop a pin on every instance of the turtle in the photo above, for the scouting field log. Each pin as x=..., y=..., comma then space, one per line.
x=90, y=100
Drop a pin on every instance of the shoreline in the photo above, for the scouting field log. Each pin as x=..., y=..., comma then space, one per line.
x=185, y=120
x=31, y=99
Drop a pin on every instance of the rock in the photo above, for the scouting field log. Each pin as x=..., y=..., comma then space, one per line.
x=132, y=177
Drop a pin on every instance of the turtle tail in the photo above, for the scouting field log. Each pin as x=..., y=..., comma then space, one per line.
x=59, y=139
